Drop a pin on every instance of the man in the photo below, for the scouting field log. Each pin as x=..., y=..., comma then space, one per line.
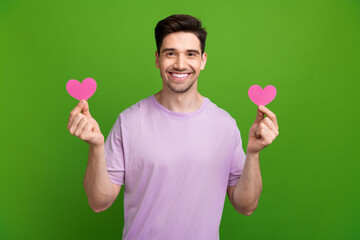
x=176, y=152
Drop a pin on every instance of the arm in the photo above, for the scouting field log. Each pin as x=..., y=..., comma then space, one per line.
x=97, y=183
x=246, y=193
x=101, y=192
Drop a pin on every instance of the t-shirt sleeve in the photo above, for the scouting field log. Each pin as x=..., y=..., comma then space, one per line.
x=238, y=159
x=114, y=154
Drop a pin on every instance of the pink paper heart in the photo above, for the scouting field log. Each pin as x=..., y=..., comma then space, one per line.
x=82, y=90
x=260, y=96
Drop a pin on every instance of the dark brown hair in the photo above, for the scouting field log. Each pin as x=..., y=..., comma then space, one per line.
x=180, y=23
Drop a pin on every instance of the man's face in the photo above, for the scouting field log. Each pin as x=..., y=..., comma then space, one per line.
x=180, y=61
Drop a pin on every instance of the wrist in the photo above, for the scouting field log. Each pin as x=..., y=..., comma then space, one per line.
x=252, y=153
x=96, y=147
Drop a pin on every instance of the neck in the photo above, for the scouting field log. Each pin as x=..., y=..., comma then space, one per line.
x=182, y=103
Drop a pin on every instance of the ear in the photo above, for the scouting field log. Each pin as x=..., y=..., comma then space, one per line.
x=203, y=61
x=157, y=59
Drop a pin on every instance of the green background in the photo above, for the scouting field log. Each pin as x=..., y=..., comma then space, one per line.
x=309, y=50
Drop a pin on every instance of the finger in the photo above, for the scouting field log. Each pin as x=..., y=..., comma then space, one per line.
x=80, y=106
x=80, y=126
x=270, y=114
x=257, y=132
x=93, y=122
x=269, y=138
x=264, y=133
x=75, y=122
x=77, y=109
x=260, y=130
x=86, y=131
x=270, y=125
x=259, y=116
x=85, y=109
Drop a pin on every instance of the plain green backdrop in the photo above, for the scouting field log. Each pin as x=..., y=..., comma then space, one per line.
x=309, y=50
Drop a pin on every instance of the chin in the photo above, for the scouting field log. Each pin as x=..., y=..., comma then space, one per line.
x=180, y=89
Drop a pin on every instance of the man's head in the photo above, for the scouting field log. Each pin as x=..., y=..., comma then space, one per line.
x=180, y=23
x=180, y=42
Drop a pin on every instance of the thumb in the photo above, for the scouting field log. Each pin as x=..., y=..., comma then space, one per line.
x=85, y=108
x=259, y=116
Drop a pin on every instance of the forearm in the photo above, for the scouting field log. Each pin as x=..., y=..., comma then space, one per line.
x=248, y=189
x=97, y=183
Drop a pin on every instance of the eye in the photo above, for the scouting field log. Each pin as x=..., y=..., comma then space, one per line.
x=192, y=54
x=169, y=53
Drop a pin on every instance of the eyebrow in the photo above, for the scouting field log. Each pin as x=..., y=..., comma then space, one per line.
x=174, y=49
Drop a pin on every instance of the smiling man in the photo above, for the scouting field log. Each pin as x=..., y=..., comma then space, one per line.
x=176, y=152
x=180, y=60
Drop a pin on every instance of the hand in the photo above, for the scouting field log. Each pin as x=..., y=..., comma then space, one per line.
x=84, y=126
x=263, y=131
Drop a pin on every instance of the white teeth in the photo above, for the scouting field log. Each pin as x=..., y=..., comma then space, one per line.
x=179, y=75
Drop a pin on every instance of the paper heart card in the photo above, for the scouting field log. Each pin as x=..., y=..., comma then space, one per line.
x=81, y=91
x=261, y=96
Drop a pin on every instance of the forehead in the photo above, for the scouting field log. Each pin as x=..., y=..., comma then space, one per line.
x=181, y=41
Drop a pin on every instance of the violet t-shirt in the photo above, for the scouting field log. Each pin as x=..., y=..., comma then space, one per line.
x=175, y=167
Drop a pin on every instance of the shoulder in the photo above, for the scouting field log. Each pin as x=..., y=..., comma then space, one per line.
x=136, y=110
x=221, y=114
x=230, y=123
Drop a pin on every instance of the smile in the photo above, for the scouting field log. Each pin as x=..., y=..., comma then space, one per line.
x=180, y=77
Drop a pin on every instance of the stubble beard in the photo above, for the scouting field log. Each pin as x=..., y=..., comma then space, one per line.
x=179, y=88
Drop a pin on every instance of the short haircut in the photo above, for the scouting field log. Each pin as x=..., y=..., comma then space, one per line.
x=180, y=23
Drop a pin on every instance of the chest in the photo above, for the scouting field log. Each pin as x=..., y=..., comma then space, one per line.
x=175, y=147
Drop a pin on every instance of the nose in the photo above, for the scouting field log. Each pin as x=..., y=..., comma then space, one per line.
x=180, y=62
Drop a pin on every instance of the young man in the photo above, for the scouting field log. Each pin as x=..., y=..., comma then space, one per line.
x=177, y=153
